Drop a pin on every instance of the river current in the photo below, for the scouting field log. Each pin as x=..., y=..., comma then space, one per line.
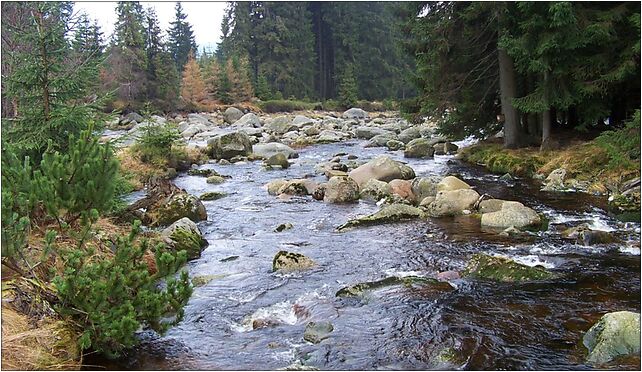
x=476, y=325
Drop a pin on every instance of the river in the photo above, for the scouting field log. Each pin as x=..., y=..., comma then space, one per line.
x=477, y=325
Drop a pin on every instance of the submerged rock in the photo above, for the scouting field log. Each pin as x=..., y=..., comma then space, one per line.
x=381, y=168
x=341, y=190
x=512, y=214
x=615, y=334
x=394, y=145
x=278, y=159
x=283, y=227
x=389, y=213
x=316, y=332
x=408, y=281
x=212, y=195
x=215, y=179
x=185, y=235
x=290, y=261
x=502, y=269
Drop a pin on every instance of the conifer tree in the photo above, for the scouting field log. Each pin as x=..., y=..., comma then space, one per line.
x=161, y=71
x=348, y=88
x=237, y=71
x=192, y=85
x=212, y=77
x=127, y=61
x=263, y=91
x=181, y=38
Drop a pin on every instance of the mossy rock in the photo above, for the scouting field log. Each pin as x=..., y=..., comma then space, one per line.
x=202, y=172
x=212, y=195
x=615, y=334
x=387, y=214
x=283, y=227
x=201, y=280
x=189, y=241
x=176, y=207
x=290, y=261
x=316, y=332
x=215, y=179
x=407, y=281
x=502, y=269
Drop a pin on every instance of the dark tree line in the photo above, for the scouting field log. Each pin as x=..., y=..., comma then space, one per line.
x=302, y=49
x=536, y=66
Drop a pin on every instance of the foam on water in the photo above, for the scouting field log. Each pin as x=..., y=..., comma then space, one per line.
x=529, y=260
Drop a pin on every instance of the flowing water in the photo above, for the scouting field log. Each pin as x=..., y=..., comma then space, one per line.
x=476, y=325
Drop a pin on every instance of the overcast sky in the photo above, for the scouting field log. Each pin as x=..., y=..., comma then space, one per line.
x=204, y=16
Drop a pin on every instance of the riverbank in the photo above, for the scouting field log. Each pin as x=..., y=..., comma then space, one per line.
x=582, y=166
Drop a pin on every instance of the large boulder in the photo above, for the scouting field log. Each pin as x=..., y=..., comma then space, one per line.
x=419, y=148
x=232, y=114
x=375, y=190
x=248, y=120
x=512, y=214
x=383, y=169
x=394, y=145
x=503, y=269
x=300, y=187
x=285, y=261
x=490, y=205
x=300, y=121
x=176, y=207
x=227, y=146
x=451, y=183
x=198, y=119
x=329, y=136
x=445, y=148
x=341, y=190
x=449, y=203
x=365, y=132
x=279, y=125
x=266, y=150
x=615, y=334
x=278, y=159
x=389, y=213
x=354, y=113
x=185, y=235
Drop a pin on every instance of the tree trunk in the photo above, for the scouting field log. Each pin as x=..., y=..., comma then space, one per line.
x=546, y=130
x=508, y=91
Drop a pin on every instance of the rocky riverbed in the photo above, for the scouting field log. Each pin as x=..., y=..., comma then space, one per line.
x=356, y=241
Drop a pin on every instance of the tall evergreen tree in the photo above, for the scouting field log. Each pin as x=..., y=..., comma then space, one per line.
x=127, y=60
x=162, y=75
x=192, y=85
x=181, y=38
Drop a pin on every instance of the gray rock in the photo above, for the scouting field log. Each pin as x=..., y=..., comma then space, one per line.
x=278, y=159
x=490, y=205
x=176, y=207
x=215, y=179
x=232, y=114
x=283, y=227
x=341, y=190
x=380, y=140
x=290, y=261
x=389, y=213
x=449, y=203
x=450, y=183
x=375, y=190
x=483, y=266
x=394, y=145
x=445, y=148
x=409, y=134
x=279, y=125
x=615, y=334
x=227, y=146
x=301, y=121
x=198, y=119
x=382, y=168
x=423, y=187
x=555, y=180
x=248, y=120
x=316, y=332
x=132, y=117
x=191, y=131
x=512, y=214
x=328, y=136
x=266, y=150
x=365, y=132
x=354, y=113
x=419, y=148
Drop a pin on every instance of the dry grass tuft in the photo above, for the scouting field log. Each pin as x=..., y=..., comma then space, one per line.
x=52, y=346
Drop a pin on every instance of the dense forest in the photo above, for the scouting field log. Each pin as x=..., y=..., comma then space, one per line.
x=533, y=71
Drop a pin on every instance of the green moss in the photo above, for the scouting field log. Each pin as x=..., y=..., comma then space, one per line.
x=188, y=241
x=202, y=172
x=501, y=161
x=389, y=213
x=502, y=269
x=201, y=280
x=408, y=281
x=212, y=195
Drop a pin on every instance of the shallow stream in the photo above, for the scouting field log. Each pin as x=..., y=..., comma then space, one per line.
x=477, y=325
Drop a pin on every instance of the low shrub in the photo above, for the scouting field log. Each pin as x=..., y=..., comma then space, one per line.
x=622, y=146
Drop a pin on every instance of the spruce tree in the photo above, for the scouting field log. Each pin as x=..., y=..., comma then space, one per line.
x=49, y=87
x=263, y=91
x=348, y=88
x=237, y=72
x=181, y=38
x=163, y=78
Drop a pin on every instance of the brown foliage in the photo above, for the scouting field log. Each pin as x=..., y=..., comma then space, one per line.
x=193, y=87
